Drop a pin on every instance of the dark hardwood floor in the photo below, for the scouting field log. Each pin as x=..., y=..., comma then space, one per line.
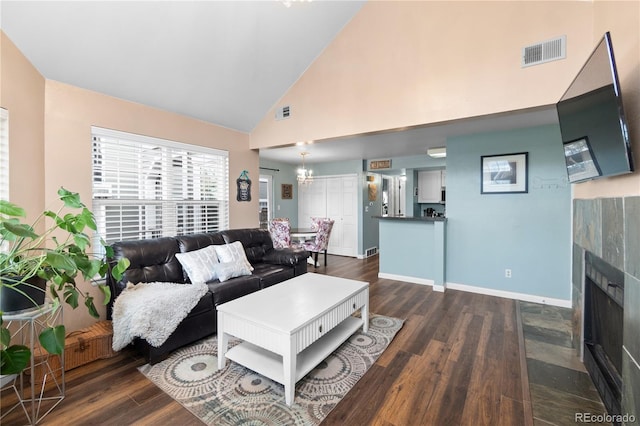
x=458, y=360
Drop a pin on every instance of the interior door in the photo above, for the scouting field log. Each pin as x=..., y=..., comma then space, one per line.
x=342, y=201
x=312, y=202
x=336, y=198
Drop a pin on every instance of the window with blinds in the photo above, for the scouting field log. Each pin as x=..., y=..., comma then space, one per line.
x=4, y=154
x=145, y=187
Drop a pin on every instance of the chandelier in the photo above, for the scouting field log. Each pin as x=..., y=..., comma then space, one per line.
x=304, y=175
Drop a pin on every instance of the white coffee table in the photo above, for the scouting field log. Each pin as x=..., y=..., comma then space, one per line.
x=290, y=327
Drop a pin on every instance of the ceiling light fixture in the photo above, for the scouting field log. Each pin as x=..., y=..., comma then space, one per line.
x=288, y=3
x=440, y=152
x=304, y=176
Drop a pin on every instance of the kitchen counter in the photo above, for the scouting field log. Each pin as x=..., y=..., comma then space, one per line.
x=413, y=218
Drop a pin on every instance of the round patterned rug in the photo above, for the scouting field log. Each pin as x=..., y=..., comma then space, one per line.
x=236, y=395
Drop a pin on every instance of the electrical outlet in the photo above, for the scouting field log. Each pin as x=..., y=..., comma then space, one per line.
x=507, y=273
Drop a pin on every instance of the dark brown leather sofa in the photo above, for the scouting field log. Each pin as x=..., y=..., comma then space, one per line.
x=154, y=260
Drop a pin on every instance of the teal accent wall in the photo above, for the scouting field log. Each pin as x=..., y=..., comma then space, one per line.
x=407, y=248
x=527, y=233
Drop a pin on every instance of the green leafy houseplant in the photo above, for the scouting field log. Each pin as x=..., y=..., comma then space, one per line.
x=59, y=255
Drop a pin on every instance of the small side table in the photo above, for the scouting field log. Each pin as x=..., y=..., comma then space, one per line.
x=36, y=398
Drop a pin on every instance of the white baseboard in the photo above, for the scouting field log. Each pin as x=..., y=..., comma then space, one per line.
x=479, y=290
x=511, y=295
x=405, y=278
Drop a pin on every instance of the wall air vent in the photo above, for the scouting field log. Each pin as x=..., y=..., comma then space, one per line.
x=546, y=51
x=371, y=252
x=283, y=112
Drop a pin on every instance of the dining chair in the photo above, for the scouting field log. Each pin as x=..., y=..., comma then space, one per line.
x=321, y=240
x=280, y=230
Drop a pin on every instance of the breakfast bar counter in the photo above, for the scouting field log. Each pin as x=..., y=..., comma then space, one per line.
x=412, y=249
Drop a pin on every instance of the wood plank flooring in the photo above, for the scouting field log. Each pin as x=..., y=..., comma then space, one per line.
x=456, y=361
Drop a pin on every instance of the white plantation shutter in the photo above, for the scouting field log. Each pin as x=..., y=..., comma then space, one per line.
x=146, y=187
x=4, y=154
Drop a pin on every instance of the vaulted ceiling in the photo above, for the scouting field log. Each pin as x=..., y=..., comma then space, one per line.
x=224, y=62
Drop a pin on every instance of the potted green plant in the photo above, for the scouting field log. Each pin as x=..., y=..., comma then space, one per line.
x=53, y=249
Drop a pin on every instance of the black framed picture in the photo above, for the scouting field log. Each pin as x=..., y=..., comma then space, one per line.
x=506, y=173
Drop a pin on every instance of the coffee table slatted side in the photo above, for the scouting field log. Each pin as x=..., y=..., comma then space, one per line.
x=272, y=340
x=314, y=330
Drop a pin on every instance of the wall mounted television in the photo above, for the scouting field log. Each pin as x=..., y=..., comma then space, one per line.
x=592, y=122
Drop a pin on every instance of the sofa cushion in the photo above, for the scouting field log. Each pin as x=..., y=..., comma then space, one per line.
x=200, y=265
x=151, y=260
x=229, y=290
x=256, y=242
x=205, y=304
x=197, y=241
x=286, y=256
x=272, y=274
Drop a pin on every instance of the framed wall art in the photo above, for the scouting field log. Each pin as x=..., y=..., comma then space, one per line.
x=286, y=191
x=506, y=173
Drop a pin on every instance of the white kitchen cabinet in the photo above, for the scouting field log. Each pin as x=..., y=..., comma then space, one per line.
x=430, y=184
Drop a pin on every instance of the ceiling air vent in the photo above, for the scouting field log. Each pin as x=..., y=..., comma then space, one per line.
x=546, y=51
x=283, y=112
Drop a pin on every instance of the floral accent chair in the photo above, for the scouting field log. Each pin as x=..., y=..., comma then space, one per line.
x=316, y=221
x=280, y=230
x=321, y=241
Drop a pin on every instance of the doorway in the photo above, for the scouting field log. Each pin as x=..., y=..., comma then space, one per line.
x=265, y=200
x=394, y=195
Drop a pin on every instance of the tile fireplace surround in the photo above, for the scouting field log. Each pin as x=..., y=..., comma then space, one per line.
x=609, y=228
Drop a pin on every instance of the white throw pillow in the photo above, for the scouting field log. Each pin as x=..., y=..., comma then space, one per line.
x=226, y=270
x=199, y=264
x=233, y=252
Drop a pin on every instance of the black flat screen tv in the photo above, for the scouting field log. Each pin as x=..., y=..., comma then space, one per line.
x=592, y=122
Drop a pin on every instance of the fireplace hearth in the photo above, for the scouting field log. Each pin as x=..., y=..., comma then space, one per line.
x=603, y=329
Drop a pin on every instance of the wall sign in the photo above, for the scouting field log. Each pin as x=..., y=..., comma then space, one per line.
x=244, y=187
x=380, y=164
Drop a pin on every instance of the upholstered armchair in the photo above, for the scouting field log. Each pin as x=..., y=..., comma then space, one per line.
x=321, y=240
x=280, y=230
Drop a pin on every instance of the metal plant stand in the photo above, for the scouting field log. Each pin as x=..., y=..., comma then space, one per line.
x=42, y=389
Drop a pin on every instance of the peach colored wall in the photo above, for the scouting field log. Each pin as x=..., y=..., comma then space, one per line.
x=50, y=142
x=22, y=94
x=622, y=19
x=402, y=63
x=71, y=111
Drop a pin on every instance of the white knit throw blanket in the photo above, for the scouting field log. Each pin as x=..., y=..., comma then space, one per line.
x=152, y=311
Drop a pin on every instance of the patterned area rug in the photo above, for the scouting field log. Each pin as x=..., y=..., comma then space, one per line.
x=236, y=395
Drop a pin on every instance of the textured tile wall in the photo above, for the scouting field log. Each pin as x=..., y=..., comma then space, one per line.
x=632, y=236
x=610, y=229
x=577, y=297
x=613, y=232
x=587, y=225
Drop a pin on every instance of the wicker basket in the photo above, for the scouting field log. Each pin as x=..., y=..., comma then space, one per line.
x=80, y=347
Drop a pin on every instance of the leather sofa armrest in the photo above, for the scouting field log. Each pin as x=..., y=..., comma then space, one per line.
x=286, y=256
